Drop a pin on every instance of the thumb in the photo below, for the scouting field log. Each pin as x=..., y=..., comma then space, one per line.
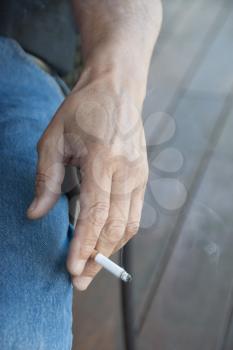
x=49, y=176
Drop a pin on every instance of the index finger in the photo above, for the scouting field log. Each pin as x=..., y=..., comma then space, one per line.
x=94, y=208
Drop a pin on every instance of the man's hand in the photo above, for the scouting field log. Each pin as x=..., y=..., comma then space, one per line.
x=101, y=132
x=99, y=129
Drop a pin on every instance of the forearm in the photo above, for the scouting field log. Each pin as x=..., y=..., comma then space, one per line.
x=119, y=36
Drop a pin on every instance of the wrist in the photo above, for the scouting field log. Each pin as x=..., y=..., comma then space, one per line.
x=120, y=66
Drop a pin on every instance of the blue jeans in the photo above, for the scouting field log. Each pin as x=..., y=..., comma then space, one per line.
x=35, y=288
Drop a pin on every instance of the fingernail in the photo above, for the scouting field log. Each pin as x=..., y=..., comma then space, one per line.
x=79, y=267
x=82, y=282
x=33, y=205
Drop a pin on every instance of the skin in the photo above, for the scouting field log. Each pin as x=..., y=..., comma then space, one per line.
x=99, y=129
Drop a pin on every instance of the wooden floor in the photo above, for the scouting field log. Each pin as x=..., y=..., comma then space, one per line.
x=182, y=257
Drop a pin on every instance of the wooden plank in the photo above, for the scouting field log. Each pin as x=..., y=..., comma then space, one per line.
x=174, y=57
x=192, y=304
x=195, y=117
x=97, y=315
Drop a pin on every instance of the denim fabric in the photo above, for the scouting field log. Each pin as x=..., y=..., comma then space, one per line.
x=35, y=288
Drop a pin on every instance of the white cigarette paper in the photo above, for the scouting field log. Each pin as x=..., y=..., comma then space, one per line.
x=110, y=266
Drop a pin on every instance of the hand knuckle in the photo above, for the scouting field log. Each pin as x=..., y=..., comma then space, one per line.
x=98, y=213
x=92, y=270
x=42, y=180
x=87, y=248
x=146, y=171
x=132, y=228
x=115, y=229
x=146, y=175
x=42, y=145
x=143, y=183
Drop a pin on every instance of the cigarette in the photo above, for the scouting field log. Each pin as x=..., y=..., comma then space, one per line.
x=112, y=267
x=106, y=263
